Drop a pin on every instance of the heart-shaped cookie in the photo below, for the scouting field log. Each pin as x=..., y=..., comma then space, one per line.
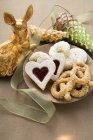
x=40, y=73
x=59, y=60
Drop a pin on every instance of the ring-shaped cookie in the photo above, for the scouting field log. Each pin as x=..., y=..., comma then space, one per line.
x=66, y=75
x=80, y=90
x=81, y=73
x=61, y=87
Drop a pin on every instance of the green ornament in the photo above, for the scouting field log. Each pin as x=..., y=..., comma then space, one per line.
x=78, y=35
x=76, y=32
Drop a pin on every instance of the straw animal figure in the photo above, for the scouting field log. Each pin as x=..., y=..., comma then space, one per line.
x=12, y=50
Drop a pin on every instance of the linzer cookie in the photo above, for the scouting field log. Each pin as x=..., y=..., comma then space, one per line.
x=40, y=73
x=59, y=60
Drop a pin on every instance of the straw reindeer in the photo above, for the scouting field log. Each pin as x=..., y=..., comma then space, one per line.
x=12, y=50
x=18, y=45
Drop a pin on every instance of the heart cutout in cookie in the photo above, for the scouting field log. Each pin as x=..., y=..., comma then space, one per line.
x=40, y=73
x=57, y=63
x=59, y=60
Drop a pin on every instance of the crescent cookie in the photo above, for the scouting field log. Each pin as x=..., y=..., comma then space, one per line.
x=39, y=56
x=60, y=47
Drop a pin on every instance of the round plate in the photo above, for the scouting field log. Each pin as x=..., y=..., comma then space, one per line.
x=46, y=93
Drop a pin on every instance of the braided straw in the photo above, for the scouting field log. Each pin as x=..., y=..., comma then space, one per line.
x=45, y=35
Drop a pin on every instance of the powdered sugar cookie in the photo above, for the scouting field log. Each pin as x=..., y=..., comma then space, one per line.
x=60, y=47
x=39, y=56
x=68, y=62
x=78, y=55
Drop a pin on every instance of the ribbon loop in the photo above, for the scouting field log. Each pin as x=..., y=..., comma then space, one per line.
x=42, y=115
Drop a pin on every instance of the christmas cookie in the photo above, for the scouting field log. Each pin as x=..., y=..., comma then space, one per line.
x=38, y=56
x=78, y=55
x=40, y=73
x=75, y=82
x=60, y=47
x=59, y=60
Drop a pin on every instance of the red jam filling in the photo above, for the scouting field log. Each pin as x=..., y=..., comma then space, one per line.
x=40, y=73
x=57, y=63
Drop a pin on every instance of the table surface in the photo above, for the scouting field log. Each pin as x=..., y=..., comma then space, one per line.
x=71, y=121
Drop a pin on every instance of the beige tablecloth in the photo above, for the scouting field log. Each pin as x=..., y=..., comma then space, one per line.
x=71, y=121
